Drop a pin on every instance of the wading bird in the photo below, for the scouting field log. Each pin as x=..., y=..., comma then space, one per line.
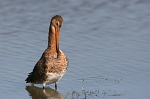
x=53, y=63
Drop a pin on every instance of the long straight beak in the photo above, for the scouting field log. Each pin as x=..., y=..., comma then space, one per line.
x=57, y=39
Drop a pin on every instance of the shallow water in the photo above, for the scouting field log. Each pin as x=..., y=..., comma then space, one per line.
x=106, y=41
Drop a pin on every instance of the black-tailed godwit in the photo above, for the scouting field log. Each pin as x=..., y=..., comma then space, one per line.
x=53, y=63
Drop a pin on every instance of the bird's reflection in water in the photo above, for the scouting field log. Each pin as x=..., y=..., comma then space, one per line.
x=46, y=93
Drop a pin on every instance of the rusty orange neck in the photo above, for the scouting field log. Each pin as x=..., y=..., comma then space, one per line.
x=53, y=40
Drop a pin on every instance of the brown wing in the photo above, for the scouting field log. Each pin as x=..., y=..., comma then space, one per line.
x=37, y=76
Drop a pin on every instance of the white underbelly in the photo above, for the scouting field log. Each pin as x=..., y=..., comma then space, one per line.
x=53, y=77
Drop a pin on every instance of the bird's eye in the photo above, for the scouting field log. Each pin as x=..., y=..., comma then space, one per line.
x=57, y=23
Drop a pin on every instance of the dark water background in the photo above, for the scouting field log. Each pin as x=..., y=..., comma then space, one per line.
x=107, y=43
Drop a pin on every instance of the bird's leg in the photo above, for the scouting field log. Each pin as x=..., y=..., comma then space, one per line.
x=32, y=84
x=55, y=86
x=43, y=86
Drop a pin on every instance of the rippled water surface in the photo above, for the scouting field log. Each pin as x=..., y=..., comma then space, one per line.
x=107, y=43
